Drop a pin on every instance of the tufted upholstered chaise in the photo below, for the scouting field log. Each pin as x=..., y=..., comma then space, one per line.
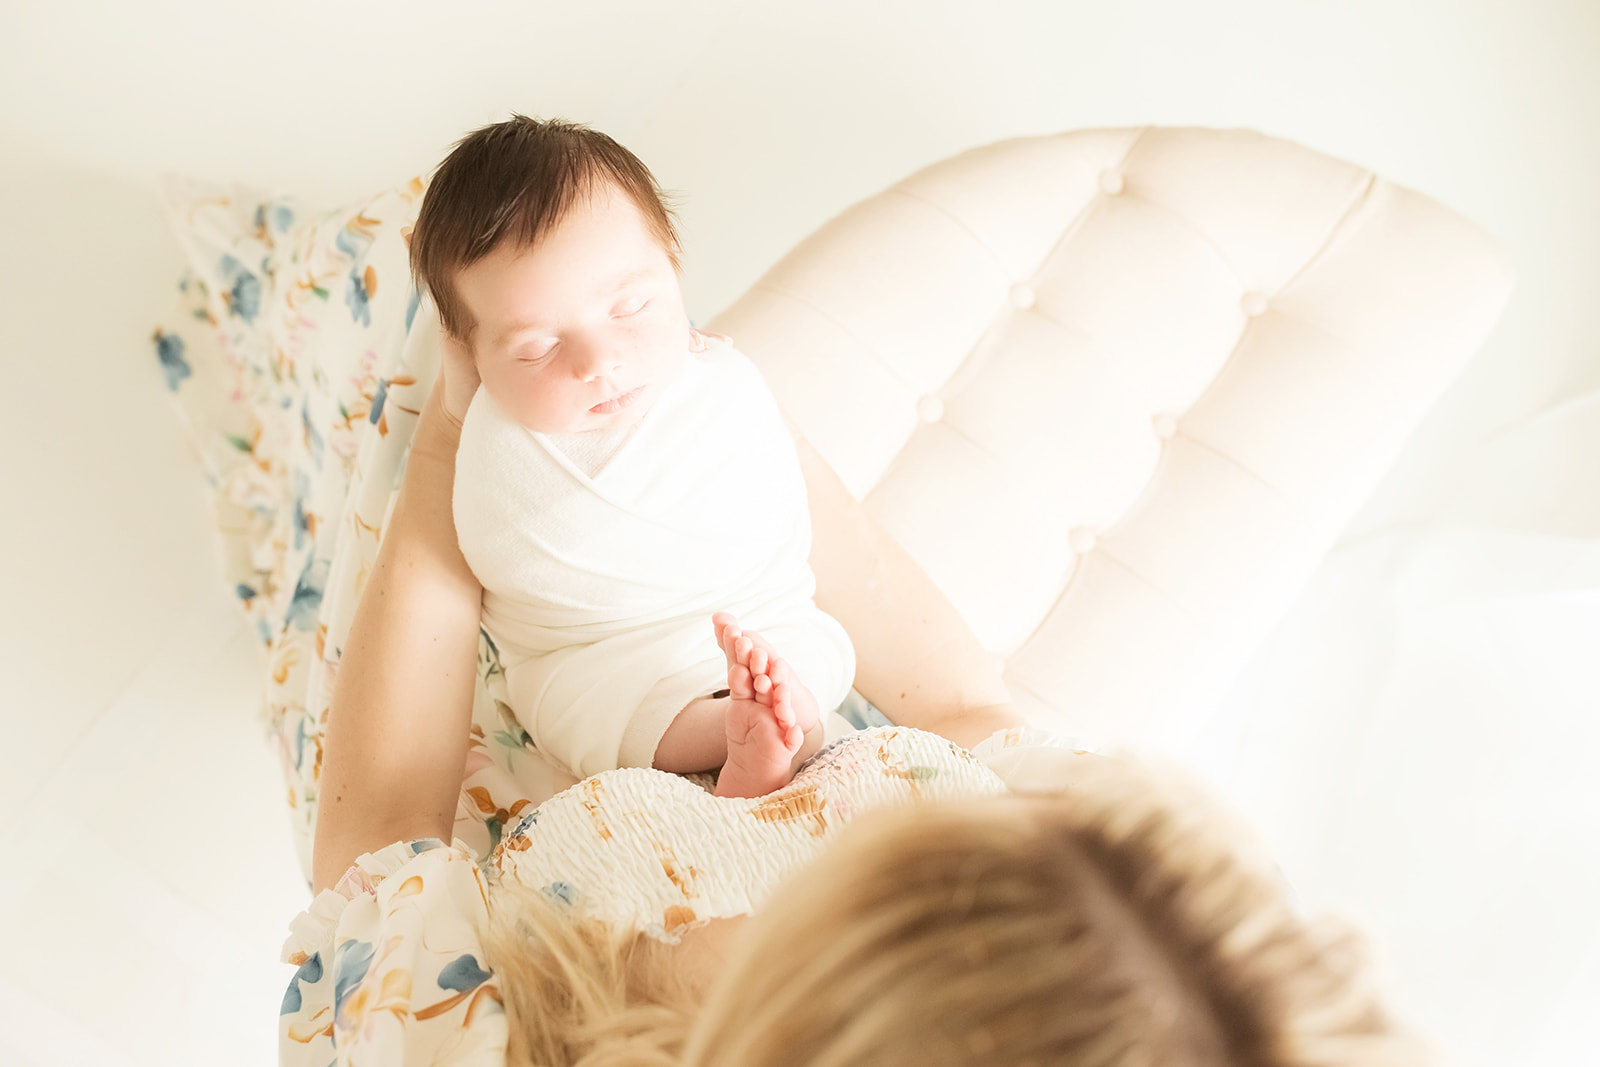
x=1118, y=391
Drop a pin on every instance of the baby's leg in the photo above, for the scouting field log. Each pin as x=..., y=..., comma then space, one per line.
x=770, y=718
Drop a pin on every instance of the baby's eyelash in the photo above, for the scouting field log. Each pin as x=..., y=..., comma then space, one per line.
x=635, y=311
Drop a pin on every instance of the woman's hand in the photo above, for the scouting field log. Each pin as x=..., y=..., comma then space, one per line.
x=458, y=377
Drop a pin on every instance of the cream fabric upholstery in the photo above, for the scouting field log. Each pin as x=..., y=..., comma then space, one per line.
x=1118, y=391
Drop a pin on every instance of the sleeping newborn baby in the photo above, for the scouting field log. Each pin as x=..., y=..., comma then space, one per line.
x=626, y=490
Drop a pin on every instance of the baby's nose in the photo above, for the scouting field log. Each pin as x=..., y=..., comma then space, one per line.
x=595, y=361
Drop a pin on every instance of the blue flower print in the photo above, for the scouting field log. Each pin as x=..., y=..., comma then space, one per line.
x=244, y=295
x=169, y=350
x=560, y=891
x=377, y=401
x=357, y=296
x=302, y=489
x=282, y=218
x=351, y=960
x=307, y=599
x=353, y=242
x=301, y=736
x=462, y=974
x=310, y=972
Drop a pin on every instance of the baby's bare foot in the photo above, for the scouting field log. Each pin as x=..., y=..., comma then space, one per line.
x=769, y=712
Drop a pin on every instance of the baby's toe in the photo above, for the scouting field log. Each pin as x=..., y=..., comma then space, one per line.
x=741, y=684
x=782, y=711
x=778, y=670
x=727, y=630
x=759, y=641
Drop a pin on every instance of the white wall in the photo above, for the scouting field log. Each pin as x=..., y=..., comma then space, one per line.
x=770, y=118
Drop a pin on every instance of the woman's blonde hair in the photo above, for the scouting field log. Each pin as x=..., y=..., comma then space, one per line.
x=581, y=992
x=1125, y=923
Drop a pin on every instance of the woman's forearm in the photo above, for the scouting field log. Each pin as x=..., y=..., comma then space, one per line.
x=397, y=730
x=917, y=660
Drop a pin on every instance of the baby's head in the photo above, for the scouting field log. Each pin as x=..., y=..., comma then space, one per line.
x=549, y=251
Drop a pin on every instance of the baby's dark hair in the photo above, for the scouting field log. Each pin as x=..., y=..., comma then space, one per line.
x=515, y=181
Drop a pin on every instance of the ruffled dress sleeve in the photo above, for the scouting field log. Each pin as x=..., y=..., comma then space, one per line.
x=390, y=967
x=1030, y=760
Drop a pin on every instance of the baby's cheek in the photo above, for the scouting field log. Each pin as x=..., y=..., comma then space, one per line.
x=656, y=340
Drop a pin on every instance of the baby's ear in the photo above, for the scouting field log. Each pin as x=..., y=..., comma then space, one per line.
x=698, y=339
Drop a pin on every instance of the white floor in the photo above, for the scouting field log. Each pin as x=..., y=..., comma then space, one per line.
x=146, y=874
x=1417, y=740
x=165, y=953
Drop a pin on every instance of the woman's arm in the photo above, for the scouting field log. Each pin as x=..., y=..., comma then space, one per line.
x=396, y=741
x=916, y=659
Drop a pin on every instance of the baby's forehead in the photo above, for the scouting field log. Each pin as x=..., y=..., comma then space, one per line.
x=517, y=303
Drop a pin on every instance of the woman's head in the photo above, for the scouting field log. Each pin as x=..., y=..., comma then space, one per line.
x=1123, y=924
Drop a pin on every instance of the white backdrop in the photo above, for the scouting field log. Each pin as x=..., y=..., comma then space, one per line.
x=1417, y=739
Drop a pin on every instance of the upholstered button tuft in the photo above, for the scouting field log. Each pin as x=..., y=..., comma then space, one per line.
x=1111, y=182
x=1253, y=304
x=1165, y=426
x=1081, y=540
x=930, y=409
x=1022, y=296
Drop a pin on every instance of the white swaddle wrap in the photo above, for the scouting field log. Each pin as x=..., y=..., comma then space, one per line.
x=598, y=592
